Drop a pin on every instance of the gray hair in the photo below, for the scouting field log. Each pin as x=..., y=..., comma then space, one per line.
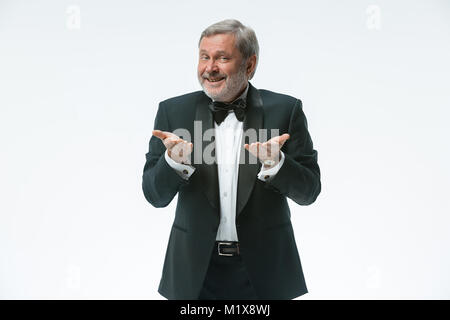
x=245, y=37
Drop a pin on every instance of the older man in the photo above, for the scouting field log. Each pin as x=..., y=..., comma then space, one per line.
x=232, y=236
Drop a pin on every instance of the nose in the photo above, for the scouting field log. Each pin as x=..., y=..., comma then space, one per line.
x=211, y=66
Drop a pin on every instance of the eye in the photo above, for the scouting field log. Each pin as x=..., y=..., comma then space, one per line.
x=204, y=58
x=224, y=58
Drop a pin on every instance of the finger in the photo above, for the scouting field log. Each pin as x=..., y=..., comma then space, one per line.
x=187, y=147
x=176, y=149
x=270, y=150
x=181, y=144
x=159, y=134
x=171, y=142
x=266, y=149
x=188, y=151
x=164, y=134
x=283, y=138
x=249, y=147
x=181, y=151
x=254, y=148
x=280, y=139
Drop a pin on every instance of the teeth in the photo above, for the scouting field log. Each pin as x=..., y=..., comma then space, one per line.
x=211, y=80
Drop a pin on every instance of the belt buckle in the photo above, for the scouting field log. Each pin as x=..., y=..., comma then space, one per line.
x=224, y=254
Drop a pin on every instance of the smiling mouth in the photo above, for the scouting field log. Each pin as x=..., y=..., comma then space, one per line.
x=214, y=80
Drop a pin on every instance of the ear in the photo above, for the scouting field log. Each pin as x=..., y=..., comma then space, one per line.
x=251, y=65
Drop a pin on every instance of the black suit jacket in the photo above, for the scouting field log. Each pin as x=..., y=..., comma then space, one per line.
x=264, y=229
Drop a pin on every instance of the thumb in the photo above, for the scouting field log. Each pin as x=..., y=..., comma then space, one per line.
x=282, y=139
x=160, y=134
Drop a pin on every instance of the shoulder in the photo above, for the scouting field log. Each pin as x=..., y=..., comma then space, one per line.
x=277, y=100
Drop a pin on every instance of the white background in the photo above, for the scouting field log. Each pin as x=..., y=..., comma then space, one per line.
x=77, y=107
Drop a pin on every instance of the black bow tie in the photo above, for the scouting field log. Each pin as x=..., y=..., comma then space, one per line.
x=220, y=109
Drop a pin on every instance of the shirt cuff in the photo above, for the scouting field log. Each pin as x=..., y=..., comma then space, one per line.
x=183, y=170
x=269, y=174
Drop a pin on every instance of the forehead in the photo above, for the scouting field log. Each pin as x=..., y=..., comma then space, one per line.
x=218, y=43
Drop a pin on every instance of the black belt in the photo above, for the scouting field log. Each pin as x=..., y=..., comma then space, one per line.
x=227, y=248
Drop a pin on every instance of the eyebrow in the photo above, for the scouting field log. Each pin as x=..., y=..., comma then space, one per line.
x=217, y=52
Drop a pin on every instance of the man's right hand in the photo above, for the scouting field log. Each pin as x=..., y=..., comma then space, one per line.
x=177, y=148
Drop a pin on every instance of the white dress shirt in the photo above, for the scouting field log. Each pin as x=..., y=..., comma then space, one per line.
x=228, y=137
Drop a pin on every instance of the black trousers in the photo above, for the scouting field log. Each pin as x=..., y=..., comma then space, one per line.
x=226, y=279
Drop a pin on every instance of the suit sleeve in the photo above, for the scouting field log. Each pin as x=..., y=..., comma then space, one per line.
x=299, y=177
x=160, y=182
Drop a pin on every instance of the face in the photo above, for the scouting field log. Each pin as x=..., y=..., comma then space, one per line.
x=222, y=72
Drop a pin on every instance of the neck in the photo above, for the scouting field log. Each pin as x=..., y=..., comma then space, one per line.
x=239, y=93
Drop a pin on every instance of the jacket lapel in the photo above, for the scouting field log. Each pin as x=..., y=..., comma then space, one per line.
x=207, y=173
x=249, y=166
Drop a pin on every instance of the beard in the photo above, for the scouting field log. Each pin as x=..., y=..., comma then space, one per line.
x=233, y=84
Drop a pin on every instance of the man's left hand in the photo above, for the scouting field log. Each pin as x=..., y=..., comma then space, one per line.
x=269, y=150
